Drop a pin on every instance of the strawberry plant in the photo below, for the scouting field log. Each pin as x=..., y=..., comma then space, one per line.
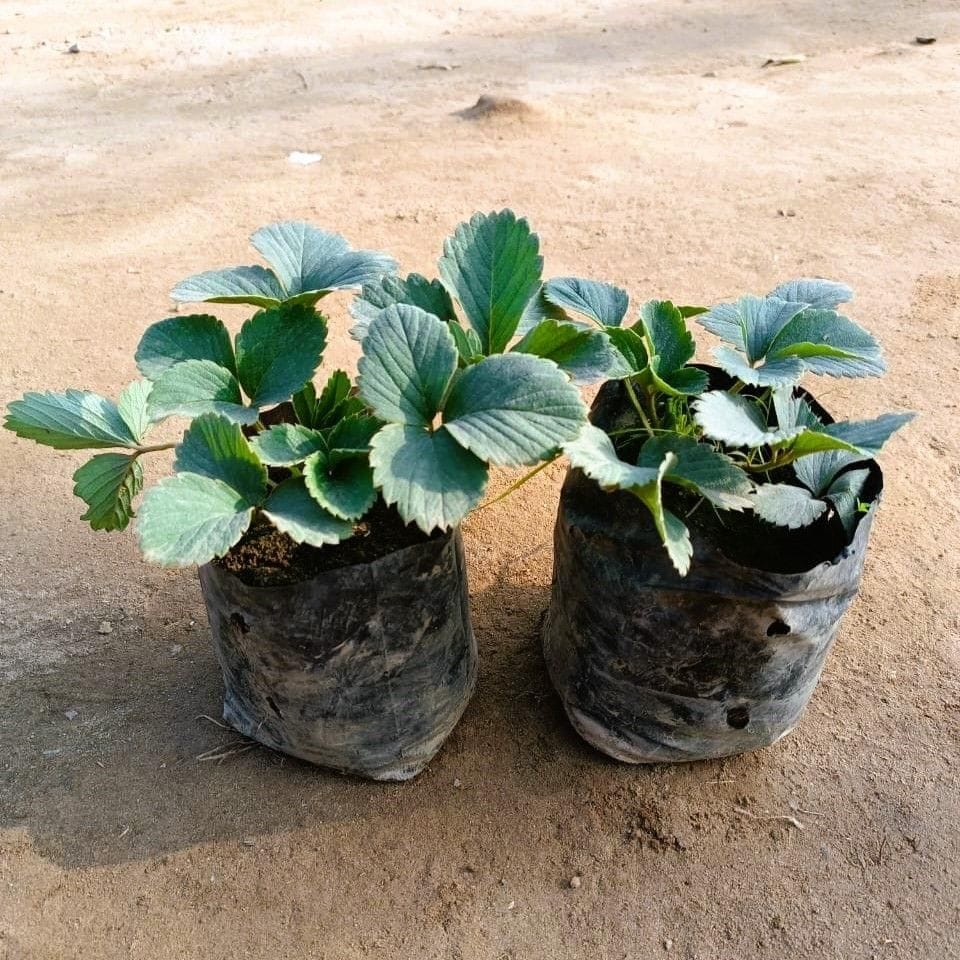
x=436, y=403
x=192, y=368
x=744, y=437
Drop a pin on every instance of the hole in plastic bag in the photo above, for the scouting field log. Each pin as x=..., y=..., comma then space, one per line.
x=738, y=717
x=778, y=629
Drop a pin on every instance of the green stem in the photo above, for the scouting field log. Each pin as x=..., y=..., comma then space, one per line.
x=519, y=483
x=154, y=449
x=775, y=464
x=635, y=400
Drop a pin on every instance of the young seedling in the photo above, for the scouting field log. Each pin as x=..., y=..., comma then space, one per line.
x=436, y=404
x=192, y=368
x=755, y=444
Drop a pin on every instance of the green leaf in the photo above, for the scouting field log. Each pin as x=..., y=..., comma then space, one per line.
x=304, y=403
x=736, y=420
x=793, y=409
x=285, y=444
x=107, y=484
x=586, y=355
x=409, y=357
x=868, y=436
x=700, y=468
x=295, y=249
x=345, y=489
x=724, y=321
x=513, y=409
x=278, y=351
x=801, y=426
x=685, y=382
x=335, y=402
x=820, y=294
x=195, y=387
x=771, y=373
x=188, y=519
x=592, y=451
x=415, y=290
x=74, y=420
x=492, y=266
x=468, y=343
x=813, y=442
x=787, y=506
x=864, y=437
x=763, y=319
x=216, y=448
x=667, y=332
x=255, y=285
x=294, y=512
x=688, y=312
x=750, y=324
x=351, y=438
x=171, y=341
x=629, y=344
x=538, y=309
x=430, y=478
x=844, y=494
x=829, y=344
x=132, y=407
x=310, y=262
x=603, y=303
x=673, y=533
x=816, y=472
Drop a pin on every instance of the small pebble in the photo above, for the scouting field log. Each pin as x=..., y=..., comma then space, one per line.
x=457, y=782
x=511, y=904
x=105, y=627
x=73, y=48
x=668, y=944
x=72, y=714
x=175, y=649
x=575, y=883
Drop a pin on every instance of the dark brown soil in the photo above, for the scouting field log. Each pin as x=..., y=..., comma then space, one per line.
x=265, y=557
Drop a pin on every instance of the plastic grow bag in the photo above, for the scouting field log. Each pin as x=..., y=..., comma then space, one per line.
x=655, y=667
x=365, y=669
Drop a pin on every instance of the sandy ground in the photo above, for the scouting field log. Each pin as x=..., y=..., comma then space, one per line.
x=654, y=150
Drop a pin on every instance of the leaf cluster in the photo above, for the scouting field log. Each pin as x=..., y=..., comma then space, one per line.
x=437, y=401
x=475, y=368
x=310, y=477
x=757, y=443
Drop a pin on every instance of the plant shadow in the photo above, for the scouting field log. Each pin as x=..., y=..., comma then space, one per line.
x=120, y=756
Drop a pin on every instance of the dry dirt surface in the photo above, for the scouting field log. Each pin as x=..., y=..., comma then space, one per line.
x=649, y=146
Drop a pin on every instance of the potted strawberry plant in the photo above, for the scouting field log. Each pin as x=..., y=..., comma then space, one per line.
x=713, y=527
x=325, y=523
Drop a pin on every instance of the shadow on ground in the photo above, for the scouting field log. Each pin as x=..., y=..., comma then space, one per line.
x=144, y=770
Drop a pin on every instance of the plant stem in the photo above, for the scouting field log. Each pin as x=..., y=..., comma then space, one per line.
x=519, y=483
x=635, y=400
x=773, y=464
x=155, y=448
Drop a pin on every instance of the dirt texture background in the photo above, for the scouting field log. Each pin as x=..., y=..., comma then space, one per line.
x=648, y=146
